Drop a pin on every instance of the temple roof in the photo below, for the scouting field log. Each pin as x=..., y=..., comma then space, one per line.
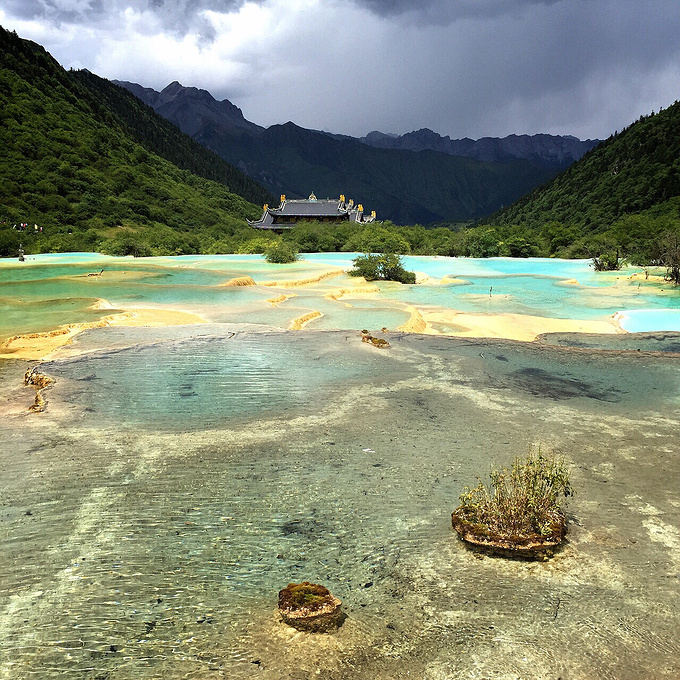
x=289, y=211
x=311, y=208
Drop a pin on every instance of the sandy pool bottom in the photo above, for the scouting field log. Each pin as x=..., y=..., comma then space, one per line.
x=157, y=552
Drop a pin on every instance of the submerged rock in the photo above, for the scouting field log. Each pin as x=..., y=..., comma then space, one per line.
x=310, y=607
x=532, y=546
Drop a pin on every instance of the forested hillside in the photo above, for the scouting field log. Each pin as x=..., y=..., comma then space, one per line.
x=73, y=165
x=158, y=135
x=623, y=195
x=630, y=172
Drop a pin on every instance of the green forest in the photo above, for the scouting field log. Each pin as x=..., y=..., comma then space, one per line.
x=72, y=166
x=621, y=197
x=88, y=167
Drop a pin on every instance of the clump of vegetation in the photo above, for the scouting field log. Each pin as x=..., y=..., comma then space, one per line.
x=41, y=382
x=520, y=511
x=608, y=261
x=670, y=257
x=381, y=266
x=281, y=252
x=381, y=343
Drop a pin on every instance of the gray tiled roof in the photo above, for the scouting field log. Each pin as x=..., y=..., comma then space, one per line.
x=310, y=208
x=285, y=215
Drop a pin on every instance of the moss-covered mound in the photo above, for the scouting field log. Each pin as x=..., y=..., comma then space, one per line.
x=310, y=607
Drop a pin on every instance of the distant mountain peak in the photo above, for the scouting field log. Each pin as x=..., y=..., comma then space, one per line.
x=288, y=159
x=191, y=108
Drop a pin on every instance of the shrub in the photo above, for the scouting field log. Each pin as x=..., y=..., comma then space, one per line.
x=256, y=245
x=385, y=267
x=670, y=257
x=521, y=503
x=518, y=246
x=126, y=244
x=481, y=243
x=375, y=239
x=608, y=261
x=281, y=252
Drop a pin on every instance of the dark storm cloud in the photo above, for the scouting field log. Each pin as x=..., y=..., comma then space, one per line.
x=175, y=16
x=184, y=16
x=460, y=67
x=54, y=10
x=447, y=11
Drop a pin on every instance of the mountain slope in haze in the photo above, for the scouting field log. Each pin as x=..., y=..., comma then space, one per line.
x=543, y=151
x=158, y=135
x=634, y=171
x=70, y=164
x=401, y=185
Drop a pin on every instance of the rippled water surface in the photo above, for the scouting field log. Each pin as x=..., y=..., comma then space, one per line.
x=179, y=478
x=203, y=382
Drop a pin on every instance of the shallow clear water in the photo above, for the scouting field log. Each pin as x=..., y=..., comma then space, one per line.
x=636, y=321
x=203, y=382
x=173, y=486
x=518, y=294
x=181, y=476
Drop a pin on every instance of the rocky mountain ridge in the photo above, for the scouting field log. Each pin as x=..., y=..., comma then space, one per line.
x=193, y=109
x=401, y=185
x=542, y=150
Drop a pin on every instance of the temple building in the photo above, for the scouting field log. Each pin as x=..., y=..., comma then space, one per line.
x=289, y=213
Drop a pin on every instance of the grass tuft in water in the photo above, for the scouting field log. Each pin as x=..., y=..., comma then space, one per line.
x=520, y=509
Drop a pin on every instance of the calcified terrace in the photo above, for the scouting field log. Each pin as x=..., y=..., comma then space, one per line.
x=49, y=299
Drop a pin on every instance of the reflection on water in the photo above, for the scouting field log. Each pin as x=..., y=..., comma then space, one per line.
x=173, y=486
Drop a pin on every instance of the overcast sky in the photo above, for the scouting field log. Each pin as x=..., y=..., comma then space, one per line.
x=460, y=67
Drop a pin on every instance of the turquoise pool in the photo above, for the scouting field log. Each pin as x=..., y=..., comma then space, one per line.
x=49, y=290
